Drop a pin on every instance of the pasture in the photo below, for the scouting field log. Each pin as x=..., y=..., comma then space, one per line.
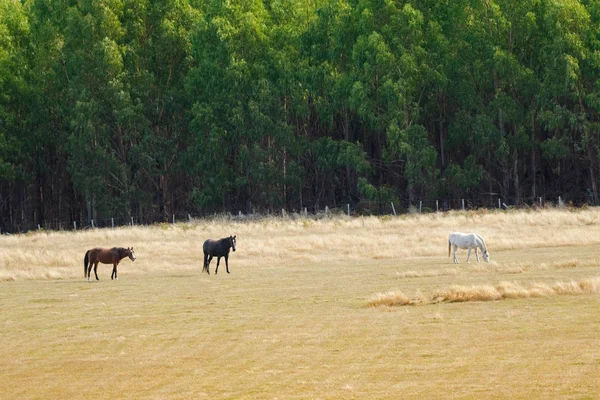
x=311, y=309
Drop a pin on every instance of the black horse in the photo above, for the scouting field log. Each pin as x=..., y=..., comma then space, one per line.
x=219, y=248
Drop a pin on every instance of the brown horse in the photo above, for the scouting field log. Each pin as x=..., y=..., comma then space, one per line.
x=105, y=256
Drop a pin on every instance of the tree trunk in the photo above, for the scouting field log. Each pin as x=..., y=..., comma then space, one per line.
x=442, y=104
x=591, y=158
x=532, y=159
x=164, y=197
x=516, y=181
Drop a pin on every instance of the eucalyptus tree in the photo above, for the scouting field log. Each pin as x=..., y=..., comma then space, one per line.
x=20, y=168
x=157, y=50
x=242, y=93
x=570, y=66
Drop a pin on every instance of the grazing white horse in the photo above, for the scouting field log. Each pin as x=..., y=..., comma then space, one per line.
x=467, y=241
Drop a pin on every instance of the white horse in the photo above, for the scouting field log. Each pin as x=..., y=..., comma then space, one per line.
x=467, y=241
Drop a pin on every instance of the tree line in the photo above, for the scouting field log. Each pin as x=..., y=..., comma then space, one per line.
x=150, y=108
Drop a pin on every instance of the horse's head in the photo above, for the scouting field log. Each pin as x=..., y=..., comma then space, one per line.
x=130, y=254
x=232, y=242
x=486, y=256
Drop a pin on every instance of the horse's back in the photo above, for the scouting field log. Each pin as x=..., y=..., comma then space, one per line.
x=463, y=240
x=95, y=251
x=208, y=245
x=214, y=247
x=103, y=254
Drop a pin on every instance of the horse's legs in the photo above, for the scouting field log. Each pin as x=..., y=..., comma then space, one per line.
x=96, y=270
x=218, y=261
x=114, y=272
x=476, y=255
x=454, y=247
x=227, y=262
x=89, y=271
x=468, y=254
x=208, y=264
x=204, y=267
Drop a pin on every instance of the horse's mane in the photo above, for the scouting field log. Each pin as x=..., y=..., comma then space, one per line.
x=482, y=241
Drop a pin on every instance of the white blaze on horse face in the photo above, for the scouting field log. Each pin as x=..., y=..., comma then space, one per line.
x=233, y=243
x=132, y=255
x=486, y=256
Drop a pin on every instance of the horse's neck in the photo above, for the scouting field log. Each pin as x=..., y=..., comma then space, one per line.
x=121, y=253
x=481, y=243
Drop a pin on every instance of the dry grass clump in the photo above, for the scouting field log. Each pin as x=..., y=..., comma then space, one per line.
x=513, y=290
x=568, y=264
x=465, y=293
x=504, y=290
x=397, y=298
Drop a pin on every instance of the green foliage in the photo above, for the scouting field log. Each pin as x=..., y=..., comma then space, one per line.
x=462, y=179
x=122, y=107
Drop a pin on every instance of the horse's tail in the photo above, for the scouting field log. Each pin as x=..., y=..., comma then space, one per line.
x=85, y=263
x=449, y=246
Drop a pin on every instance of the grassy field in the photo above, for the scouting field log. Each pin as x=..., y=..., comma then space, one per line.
x=304, y=312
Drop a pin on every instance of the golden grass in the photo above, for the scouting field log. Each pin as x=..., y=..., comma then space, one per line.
x=504, y=290
x=427, y=273
x=290, y=320
x=394, y=299
x=51, y=255
x=513, y=290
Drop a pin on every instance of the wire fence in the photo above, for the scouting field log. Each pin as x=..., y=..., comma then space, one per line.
x=357, y=209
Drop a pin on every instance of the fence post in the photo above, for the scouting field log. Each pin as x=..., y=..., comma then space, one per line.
x=499, y=204
x=283, y=212
x=92, y=224
x=190, y=218
x=420, y=206
x=326, y=210
x=463, y=204
x=437, y=207
x=305, y=212
x=363, y=220
x=173, y=218
x=348, y=209
x=39, y=227
x=74, y=225
x=240, y=213
x=393, y=209
x=131, y=221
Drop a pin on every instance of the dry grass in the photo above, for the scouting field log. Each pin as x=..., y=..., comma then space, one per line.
x=51, y=255
x=391, y=299
x=513, y=290
x=290, y=320
x=427, y=273
x=504, y=290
